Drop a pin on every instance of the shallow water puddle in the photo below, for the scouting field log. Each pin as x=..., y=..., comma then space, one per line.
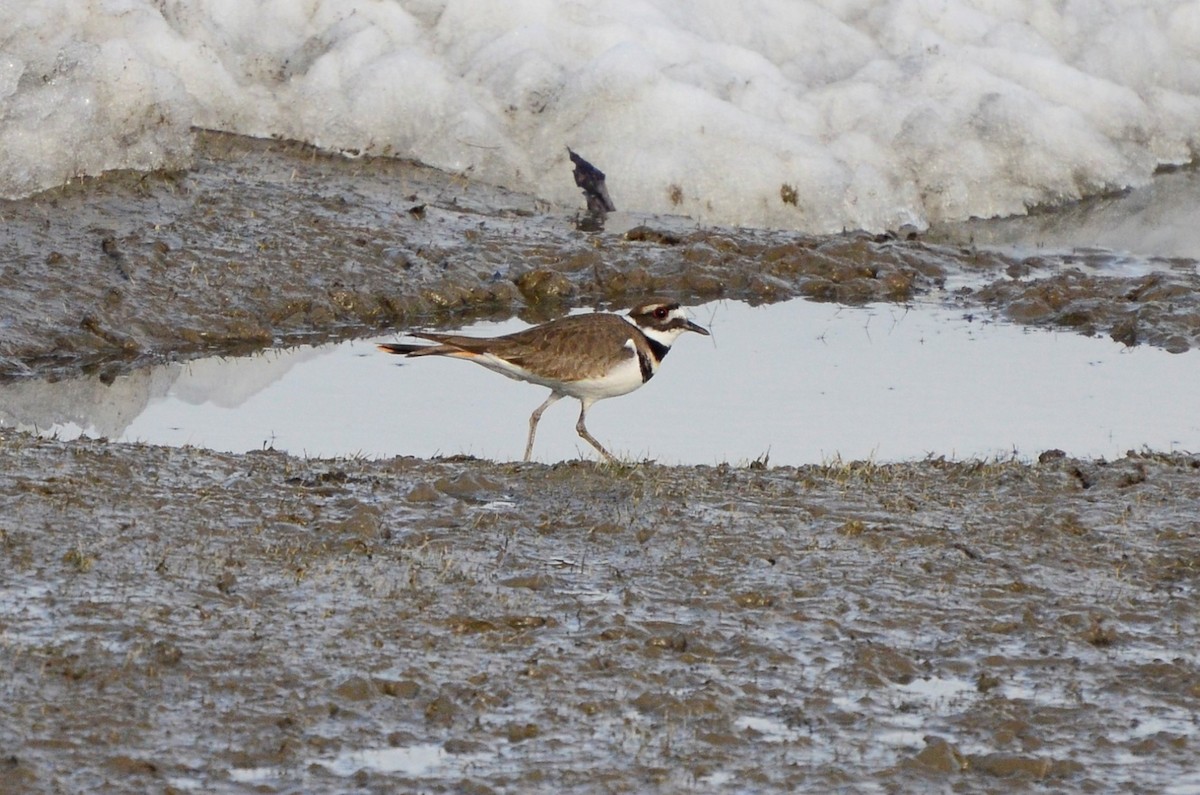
x=1121, y=233
x=422, y=760
x=416, y=760
x=798, y=381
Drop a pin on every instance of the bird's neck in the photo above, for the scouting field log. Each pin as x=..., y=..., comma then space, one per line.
x=657, y=348
x=658, y=341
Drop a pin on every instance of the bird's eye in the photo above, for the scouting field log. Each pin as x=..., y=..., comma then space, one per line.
x=660, y=312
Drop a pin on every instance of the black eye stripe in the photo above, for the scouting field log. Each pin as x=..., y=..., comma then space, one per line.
x=659, y=313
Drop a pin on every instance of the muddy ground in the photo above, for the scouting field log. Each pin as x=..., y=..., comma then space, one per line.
x=272, y=243
x=177, y=620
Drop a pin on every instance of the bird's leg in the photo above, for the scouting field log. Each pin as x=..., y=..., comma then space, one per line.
x=535, y=417
x=583, y=431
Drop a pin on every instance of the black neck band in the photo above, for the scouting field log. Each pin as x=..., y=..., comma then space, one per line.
x=659, y=350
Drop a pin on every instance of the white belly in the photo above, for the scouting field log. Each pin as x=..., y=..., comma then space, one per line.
x=620, y=381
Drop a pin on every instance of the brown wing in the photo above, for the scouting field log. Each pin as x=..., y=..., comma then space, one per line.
x=578, y=346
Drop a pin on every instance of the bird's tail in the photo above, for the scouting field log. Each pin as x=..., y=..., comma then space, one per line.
x=401, y=348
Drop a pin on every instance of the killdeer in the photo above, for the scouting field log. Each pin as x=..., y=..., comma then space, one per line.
x=587, y=357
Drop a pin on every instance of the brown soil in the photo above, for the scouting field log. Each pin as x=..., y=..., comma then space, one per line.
x=268, y=243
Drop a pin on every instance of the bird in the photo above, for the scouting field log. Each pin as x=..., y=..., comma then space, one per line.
x=588, y=357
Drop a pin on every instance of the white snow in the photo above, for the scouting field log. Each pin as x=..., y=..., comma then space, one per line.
x=876, y=113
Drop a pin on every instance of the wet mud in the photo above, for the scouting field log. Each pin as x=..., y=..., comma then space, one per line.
x=267, y=243
x=177, y=620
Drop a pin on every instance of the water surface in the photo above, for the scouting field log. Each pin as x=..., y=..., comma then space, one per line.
x=799, y=382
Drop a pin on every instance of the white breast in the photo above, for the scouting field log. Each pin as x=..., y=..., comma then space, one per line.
x=621, y=380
